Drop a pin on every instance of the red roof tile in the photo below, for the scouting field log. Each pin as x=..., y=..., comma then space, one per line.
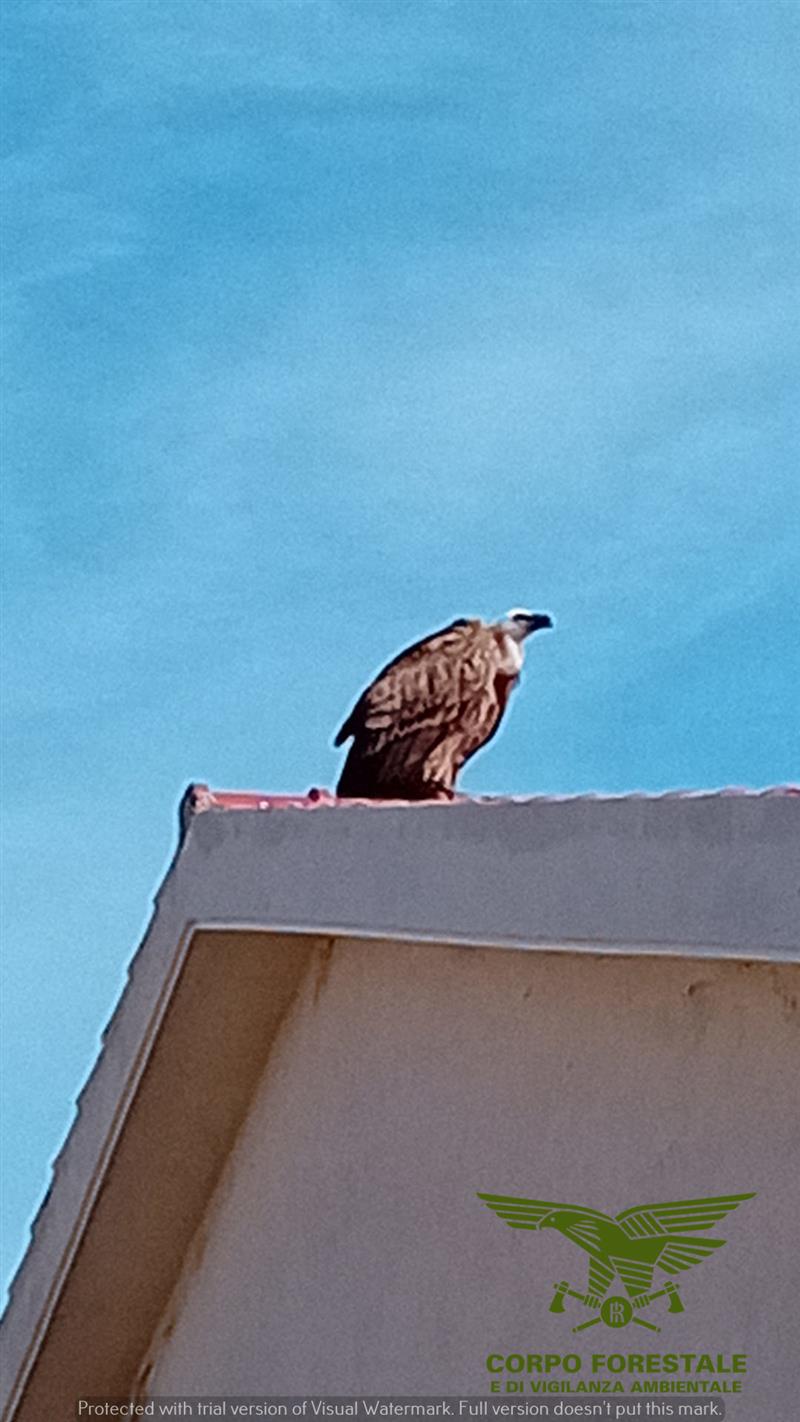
x=199, y=798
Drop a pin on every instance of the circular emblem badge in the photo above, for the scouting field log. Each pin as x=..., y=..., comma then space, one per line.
x=616, y=1311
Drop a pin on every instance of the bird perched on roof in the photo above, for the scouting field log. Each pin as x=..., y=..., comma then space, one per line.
x=432, y=708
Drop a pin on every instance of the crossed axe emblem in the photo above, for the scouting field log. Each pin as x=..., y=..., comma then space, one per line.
x=616, y=1310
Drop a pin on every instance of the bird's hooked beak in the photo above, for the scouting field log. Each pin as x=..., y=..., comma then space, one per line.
x=520, y=623
x=536, y=621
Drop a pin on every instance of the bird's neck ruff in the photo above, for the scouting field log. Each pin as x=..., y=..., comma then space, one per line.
x=513, y=653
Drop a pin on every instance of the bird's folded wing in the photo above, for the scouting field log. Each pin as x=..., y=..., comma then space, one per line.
x=427, y=684
x=677, y=1216
x=528, y=1214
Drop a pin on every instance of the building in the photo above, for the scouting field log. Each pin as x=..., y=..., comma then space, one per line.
x=346, y=1020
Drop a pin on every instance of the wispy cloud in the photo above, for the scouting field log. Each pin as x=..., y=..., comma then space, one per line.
x=52, y=231
x=142, y=50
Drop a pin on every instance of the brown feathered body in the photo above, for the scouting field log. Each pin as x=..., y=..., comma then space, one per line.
x=427, y=712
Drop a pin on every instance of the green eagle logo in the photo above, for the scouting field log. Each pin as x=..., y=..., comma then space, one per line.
x=626, y=1247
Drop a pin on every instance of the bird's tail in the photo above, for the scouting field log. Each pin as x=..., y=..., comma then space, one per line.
x=387, y=773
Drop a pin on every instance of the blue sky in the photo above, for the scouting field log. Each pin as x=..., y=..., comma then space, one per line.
x=326, y=322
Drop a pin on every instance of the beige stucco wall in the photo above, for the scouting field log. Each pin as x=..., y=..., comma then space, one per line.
x=345, y=1251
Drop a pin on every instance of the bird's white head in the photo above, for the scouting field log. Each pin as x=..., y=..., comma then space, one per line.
x=519, y=623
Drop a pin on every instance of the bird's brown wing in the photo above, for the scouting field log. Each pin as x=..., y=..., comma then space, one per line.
x=422, y=686
x=441, y=689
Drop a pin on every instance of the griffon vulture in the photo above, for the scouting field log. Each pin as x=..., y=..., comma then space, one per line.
x=432, y=708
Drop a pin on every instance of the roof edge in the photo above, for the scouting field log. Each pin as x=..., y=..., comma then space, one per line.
x=199, y=798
